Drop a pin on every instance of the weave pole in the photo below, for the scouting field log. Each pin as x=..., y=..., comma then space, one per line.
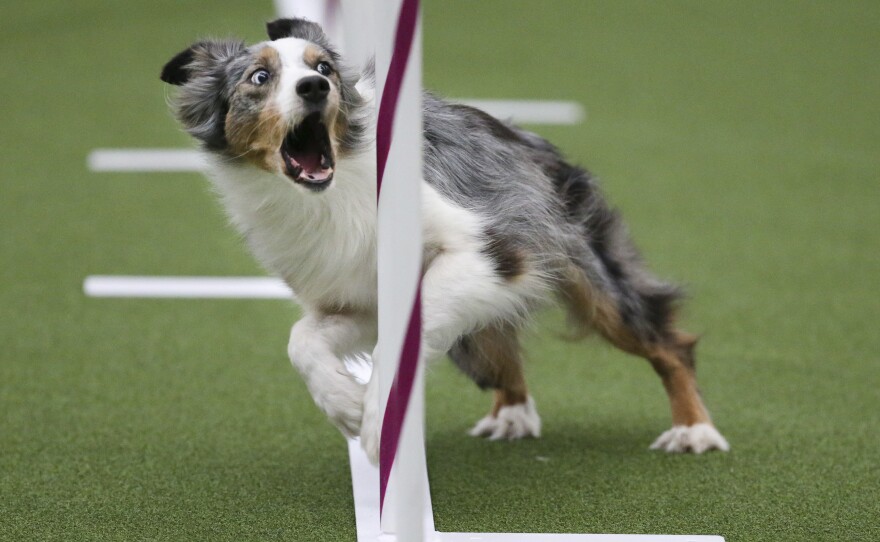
x=402, y=470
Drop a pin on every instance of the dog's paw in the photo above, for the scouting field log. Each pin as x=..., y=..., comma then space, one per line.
x=343, y=403
x=512, y=422
x=371, y=423
x=370, y=445
x=697, y=439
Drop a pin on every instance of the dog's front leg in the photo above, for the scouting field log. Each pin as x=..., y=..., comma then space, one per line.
x=318, y=344
x=371, y=425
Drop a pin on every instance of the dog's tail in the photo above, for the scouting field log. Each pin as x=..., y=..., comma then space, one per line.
x=608, y=262
x=612, y=264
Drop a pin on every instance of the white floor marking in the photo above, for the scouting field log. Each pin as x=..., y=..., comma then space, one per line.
x=531, y=111
x=187, y=287
x=134, y=160
x=551, y=537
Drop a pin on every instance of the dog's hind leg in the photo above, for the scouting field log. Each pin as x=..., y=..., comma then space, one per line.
x=670, y=352
x=492, y=358
x=451, y=308
x=692, y=429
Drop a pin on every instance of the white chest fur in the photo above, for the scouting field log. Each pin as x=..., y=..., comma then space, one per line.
x=322, y=244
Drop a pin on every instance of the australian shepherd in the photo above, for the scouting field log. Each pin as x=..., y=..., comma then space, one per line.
x=509, y=226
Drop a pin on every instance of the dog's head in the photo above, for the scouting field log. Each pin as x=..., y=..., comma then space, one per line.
x=287, y=105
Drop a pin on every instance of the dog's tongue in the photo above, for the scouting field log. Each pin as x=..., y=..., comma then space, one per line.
x=309, y=159
x=319, y=175
x=312, y=164
x=308, y=152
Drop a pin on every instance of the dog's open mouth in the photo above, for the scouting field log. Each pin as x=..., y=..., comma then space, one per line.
x=307, y=154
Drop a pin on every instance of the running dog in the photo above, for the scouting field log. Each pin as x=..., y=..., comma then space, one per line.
x=509, y=226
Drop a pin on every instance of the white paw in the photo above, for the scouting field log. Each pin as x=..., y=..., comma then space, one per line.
x=697, y=439
x=512, y=422
x=370, y=443
x=371, y=424
x=342, y=400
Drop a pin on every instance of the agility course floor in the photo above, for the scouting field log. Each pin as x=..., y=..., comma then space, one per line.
x=741, y=141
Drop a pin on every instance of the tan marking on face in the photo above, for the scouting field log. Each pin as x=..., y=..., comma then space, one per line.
x=259, y=139
x=314, y=54
x=255, y=127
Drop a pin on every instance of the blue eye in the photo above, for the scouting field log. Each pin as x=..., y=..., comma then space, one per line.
x=260, y=77
x=324, y=68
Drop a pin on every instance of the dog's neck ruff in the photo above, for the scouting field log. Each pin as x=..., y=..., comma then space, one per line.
x=322, y=245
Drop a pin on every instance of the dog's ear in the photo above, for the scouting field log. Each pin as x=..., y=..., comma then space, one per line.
x=296, y=28
x=175, y=72
x=206, y=73
x=202, y=56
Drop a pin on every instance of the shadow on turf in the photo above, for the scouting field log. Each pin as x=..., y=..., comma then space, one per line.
x=567, y=442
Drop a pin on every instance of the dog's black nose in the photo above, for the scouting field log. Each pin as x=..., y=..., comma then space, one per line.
x=313, y=88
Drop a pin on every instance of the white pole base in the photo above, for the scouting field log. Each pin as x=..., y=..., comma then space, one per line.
x=551, y=537
x=365, y=486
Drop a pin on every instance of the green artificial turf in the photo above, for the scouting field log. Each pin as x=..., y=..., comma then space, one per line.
x=740, y=139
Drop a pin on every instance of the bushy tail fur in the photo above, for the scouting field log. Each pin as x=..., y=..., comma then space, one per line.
x=605, y=253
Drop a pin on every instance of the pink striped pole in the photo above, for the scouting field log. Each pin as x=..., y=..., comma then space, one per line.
x=399, y=173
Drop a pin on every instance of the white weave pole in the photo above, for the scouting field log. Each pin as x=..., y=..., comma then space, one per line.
x=399, y=172
x=324, y=12
x=359, y=31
